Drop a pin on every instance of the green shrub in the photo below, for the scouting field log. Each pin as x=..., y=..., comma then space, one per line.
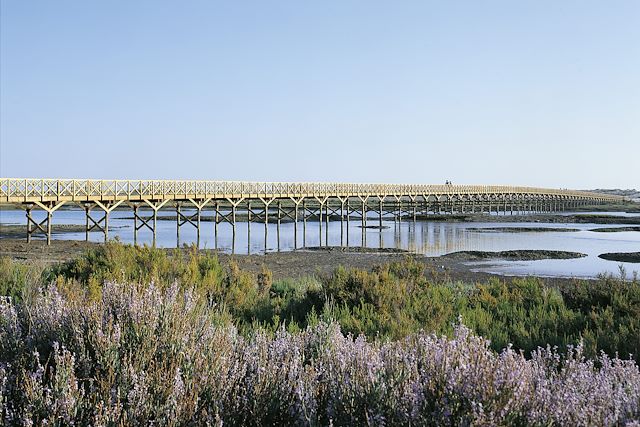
x=19, y=280
x=390, y=302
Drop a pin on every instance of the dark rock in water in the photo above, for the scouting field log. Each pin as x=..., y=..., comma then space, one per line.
x=355, y=249
x=518, y=255
x=438, y=217
x=374, y=227
x=603, y=219
x=520, y=229
x=621, y=256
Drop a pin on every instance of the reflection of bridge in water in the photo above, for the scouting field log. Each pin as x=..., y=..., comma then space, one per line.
x=274, y=202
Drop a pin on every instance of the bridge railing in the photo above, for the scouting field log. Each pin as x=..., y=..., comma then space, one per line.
x=25, y=190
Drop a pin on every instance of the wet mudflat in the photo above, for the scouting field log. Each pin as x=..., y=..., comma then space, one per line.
x=291, y=264
x=633, y=257
x=520, y=255
x=503, y=244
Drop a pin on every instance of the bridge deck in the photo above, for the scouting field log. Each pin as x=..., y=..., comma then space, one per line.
x=18, y=190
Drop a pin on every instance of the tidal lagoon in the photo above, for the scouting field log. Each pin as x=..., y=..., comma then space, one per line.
x=487, y=233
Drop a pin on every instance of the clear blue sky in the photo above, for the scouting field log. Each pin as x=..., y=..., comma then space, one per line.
x=537, y=92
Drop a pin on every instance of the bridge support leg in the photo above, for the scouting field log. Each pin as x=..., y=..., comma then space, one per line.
x=278, y=225
x=87, y=211
x=321, y=202
x=178, y=215
x=28, y=209
x=398, y=209
x=155, y=208
x=363, y=201
x=413, y=205
x=234, y=208
x=193, y=219
x=304, y=224
x=342, y=202
x=320, y=218
x=348, y=218
x=296, y=203
x=266, y=204
x=216, y=220
x=295, y=224
x=363, y=222
x=43, y=226
x=249, y=212
x=102, y=224
x=233, y=228
x=326, y=228
x=144, y=222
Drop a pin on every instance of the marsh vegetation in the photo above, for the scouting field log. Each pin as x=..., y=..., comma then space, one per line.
x=129, y=335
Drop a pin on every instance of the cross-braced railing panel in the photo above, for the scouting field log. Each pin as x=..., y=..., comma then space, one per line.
x=30, y=190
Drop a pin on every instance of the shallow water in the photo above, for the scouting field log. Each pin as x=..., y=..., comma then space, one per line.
x=424, y=237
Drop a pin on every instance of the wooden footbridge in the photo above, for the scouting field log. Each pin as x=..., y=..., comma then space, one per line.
x=234, y=202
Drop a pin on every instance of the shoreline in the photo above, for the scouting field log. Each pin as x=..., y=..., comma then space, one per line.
x=323, y=260
x=300, y=263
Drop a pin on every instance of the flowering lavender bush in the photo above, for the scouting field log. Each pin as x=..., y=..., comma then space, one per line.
x=142, y=354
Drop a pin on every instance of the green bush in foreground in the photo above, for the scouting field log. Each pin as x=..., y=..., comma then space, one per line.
x=390, y=302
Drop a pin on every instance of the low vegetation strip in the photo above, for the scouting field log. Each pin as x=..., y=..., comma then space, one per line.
x=126, y=335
